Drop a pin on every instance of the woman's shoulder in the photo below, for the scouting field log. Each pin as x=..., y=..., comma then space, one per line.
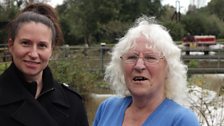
x=111, y=111
x=176, y=107
x=114, y=102
x=182, y=114
x=70, y=91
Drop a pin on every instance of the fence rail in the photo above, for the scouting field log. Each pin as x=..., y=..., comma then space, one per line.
x=206, y=57
x=212, y=63
x=205, y=71
x=206, y=64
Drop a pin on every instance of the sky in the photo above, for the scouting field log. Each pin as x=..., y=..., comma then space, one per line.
x=182, y=4
x=55, y=2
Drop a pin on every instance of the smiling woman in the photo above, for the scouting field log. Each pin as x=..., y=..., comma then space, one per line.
x=29, y=94
x=31, y=50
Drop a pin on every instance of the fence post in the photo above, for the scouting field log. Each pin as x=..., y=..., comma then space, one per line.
x=102, y=47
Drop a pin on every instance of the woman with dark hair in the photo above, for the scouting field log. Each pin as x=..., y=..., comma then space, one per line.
x=29, y=94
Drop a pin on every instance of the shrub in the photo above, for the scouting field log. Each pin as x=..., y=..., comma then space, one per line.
x=193, y=64
x=73, y=71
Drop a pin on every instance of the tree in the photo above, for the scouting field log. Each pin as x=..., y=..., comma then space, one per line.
x=9, y=9
x=167, y=13
x=176, y=29
x=102, y=20
x=198, y=23
x=216, y=7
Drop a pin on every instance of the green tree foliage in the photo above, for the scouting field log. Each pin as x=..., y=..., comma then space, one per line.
x=8, y=10
x=194, y=23
x=217, y=7
x=167, y=13
x=95, y=21
x=203, y=24
x=102, y=20
x=176, y=29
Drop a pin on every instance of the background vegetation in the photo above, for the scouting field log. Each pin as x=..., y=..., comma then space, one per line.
x=96, y=21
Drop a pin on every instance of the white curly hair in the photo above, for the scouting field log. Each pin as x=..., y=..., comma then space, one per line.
x=175, y=87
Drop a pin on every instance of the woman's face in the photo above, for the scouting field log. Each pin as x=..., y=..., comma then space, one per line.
x=31, y=49
x=144, y=76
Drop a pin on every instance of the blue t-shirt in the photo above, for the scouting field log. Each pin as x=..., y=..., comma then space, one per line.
x=168, y=113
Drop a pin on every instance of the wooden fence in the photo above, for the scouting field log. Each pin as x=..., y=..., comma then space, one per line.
x=198, y=63
x=213, y=63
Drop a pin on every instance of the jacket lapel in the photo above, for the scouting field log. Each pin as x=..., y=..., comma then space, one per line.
x=31, y=113
x=55, y=101
x=26, y=110
x=58, y=104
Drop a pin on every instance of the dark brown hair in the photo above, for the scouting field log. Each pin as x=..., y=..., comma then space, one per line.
x=38, y=12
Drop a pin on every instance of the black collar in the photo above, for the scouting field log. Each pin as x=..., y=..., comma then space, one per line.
x=12, y=87
x=48, y=81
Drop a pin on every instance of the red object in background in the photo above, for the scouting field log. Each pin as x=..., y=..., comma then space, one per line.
x=211, y=39
x=200, y=39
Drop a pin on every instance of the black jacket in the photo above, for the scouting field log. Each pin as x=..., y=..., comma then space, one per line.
x=57, y=105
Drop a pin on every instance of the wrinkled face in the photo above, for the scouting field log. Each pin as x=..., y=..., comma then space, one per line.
x=31, y=49
x=145, y=70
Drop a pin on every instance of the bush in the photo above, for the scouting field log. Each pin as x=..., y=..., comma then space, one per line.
x=74, y=73
x=4, y=66
x=193, y=64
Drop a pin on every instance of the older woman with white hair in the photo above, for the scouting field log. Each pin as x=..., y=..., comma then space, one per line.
x=149, y=77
